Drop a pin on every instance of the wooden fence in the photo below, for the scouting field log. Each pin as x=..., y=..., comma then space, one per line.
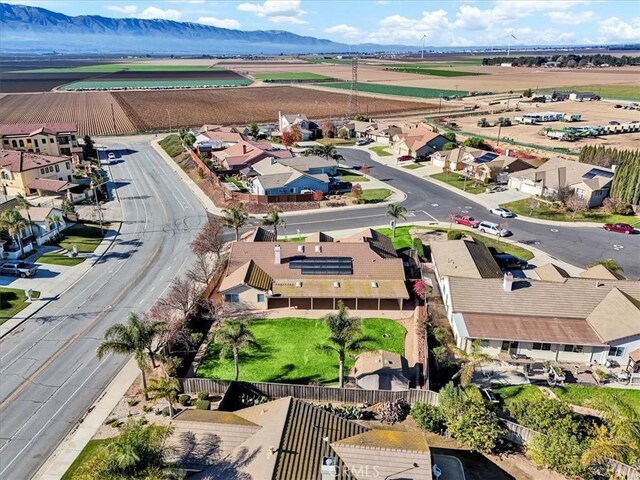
x=311, y=393
x=517, y=433
x=623, y=471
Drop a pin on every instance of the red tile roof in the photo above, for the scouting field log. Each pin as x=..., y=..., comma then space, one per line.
x=33, y=128
x=51, y=185
x=17, y=161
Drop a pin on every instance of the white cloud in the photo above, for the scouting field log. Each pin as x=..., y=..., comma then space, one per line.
x=346, y=30
x=126, y=9
x=472, y=18
x=399, y=29
x=158, y=13
x=614, y=29
x=276, y=11
x=185, y=1
x=282, y=20
x=571, y=18
x=382, y=2
x=220, y=22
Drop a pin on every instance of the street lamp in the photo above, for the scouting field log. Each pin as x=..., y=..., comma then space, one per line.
x=95, y=196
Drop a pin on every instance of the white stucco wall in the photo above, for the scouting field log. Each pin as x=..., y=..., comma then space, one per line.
x=248, y=297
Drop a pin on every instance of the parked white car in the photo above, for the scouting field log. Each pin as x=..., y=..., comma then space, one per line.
x=502, y=212
x=494, y=229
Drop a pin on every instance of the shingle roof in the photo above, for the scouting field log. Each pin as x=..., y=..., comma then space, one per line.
x=18, y=161
x=319, y=237
x=464, y=258
x=616, y=316
x=51, y=185
x=261, y=235
x=574, y=172
x=306, y=163
x=550, y=272
x=40, y=214
x=33, y=128
x=601, y=272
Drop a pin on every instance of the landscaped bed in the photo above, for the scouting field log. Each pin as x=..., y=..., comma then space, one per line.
x=546, y=211
x=12, y=301
x=289, y=351
x=380, y=151
x=348, y=176
x=53, y=258
x=413, y=166
x=373, y=195
x=458, y=181
x=87, y=452
x=84, y=236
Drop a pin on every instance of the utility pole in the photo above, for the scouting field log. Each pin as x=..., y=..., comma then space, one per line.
x=169, y=116
x=95, y=196
x=353, y=97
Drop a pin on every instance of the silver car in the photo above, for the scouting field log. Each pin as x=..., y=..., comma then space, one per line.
x=18, y=269
x=493, y=229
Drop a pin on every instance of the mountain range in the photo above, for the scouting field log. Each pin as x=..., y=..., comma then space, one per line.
x=38, y=30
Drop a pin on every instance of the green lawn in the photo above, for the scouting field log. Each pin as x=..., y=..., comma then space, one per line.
x=172, y=145
x=348, y=176
x=111, y=84
x=433, y=71
x=373, y=195
x=458, y=181
x=87, y=452
x=85, y=237
x=290, y=76
x=53, y=258
x=546, y=211
x=288, y=351
x=116, y=67
x=622, y=92
x=12, y=301
x=402, y=238
x=381, y=151
x=509, y=393
x=337, y=141
x=237, y=183
x=413, y=166
x=384, y=89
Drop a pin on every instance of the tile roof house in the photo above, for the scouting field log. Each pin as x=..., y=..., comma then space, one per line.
x=417, y=141
x=245, y=153
x=288, y=439
x=29, y=173
x=578, y=320
x=56, y=139
x=273, y=176
x=363, y=271
x=587, y=181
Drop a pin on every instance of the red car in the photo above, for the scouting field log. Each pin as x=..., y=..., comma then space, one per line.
x=619, y=227
x=404, y=158
x=466, y=220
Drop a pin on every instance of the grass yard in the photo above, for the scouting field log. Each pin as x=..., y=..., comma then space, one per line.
x=288, y=351
x=373, y=195
x=510, y=393
x=622, y=92
x=53, y=258
x=348, y=176
x=290, y=76
x=384, y=89
x=413, y=166
x=172, y=145
x=12, y=301
x=433, y=71
x=458, y=181
x=337, y=141
x=381, y=151
x=85, y=237
x=113, y=84
x=87, y=452
x=546, y=211
x=134, y=67
x=237, y=183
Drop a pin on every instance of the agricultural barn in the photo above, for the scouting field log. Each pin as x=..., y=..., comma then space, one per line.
x=364, y=271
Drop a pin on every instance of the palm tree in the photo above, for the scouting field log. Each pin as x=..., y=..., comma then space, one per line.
x=235, y=217
x=328, y=151
x=396, y=211
x=345, y=337
x=133, y=338
x=470, y=361
x=233, y=336
x=13, y=223
x=24, y=204
x=164, y=389
x=273, y=219
x=54, y=222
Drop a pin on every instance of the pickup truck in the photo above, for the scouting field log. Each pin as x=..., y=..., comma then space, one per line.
x=18, y=269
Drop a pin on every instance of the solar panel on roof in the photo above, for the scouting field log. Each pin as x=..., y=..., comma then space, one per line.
x=486, y=157
x=323, y=265
x=596, y=172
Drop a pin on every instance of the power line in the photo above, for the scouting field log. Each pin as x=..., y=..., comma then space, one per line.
x=353, y=96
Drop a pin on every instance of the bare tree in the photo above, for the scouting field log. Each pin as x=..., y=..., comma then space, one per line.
x=576, y=204
x=204, y=269
x=209, y=240
x=183, y=297
x=563, y=193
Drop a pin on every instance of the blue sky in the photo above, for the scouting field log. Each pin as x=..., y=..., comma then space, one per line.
x=450, y=23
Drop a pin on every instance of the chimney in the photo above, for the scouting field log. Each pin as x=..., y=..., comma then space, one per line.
x=244, y=148
x=507, y=152
x=276, y=251
x=507, y=284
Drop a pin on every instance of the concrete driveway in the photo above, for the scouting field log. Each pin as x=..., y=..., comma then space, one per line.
x=41, y=281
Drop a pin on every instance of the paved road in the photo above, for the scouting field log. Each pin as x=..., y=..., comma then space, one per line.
x=49, y=371
x=428, y=202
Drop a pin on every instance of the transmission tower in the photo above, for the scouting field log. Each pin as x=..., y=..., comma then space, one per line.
x=353, y=96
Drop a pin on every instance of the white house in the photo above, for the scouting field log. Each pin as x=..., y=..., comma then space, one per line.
x=40, y=231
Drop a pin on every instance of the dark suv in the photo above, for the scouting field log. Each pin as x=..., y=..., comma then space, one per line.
x=505, y=262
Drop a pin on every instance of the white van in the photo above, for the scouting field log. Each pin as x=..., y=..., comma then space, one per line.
x=494, y=229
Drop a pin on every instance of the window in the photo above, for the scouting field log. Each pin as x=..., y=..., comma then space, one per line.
x=232, y=297
x=42, y=171
x=573, y=348
x=484, y=343
x=15, y=145
x=616, y=352
x=580, y=193
x=21, y=143
x=6, y=175
x=44, y=140
x=67, y=164
x=542, y=346
x=57, y=168
x=35, y=142
x=260, y=298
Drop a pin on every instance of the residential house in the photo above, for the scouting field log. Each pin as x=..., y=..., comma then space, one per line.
x=361, y=129
x=381, y=370
x=311, y=164
x=291, y=439
x=575, y=320
x=53, y=139
x=600, y=272
x=308, y=130
x=417, y=141
x=273, y=176
x=38, y=232
x=588, y=182
x=383, y=133
x=493, y=167
x=454, y=159
x=30, y=173
x=364, y=271
x=245, y=153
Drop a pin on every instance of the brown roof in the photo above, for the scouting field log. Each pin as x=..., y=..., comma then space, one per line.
x=51, y=185
x=530, y=328
x=379, y=243
x=249, y=274
x=247, y=153
x=18, y=161
x=319, y=237
x=229, y=137
x=464, y=258
x=34, y=128
x=616, y=317
x=601, y=272
x=635, y=355
x=261, y=235
x=213, y=416
x=40, y=214
x=550, y=272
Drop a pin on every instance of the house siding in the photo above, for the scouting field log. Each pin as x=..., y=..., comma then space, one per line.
x=248, y=298
x=295, y=187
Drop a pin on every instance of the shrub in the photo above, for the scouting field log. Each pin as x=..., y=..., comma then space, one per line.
x=356, y=191
x=202, y=395
x=133, y=402
x=449, y=146
x=200, y=173
x=393, y=412
x=427, y=417
x=451, y=136
x=418, y=247
x=318, y=195
x=184, y=399
x=203, y=404
x=349, y=412
x=454, y=235
x=616, y=206
x=147, y=408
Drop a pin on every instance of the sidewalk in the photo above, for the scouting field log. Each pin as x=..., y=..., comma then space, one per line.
x=69, y=449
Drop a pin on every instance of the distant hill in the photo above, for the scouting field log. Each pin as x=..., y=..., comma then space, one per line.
x=24, y=28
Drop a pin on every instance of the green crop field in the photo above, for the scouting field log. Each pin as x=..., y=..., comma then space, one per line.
x=433, y=71
x=621, y=92
x=135, y=67
x=397, y=90
x=291, y=76
x=113, y=84
x=459, y=63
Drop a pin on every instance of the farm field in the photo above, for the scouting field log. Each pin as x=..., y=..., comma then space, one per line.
x=91, y=111
x=396, y=90
x=139, y=84
x=436, y=72
x=229, y=106
x=116, y=67
x=290, y=76
x=621, y=92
